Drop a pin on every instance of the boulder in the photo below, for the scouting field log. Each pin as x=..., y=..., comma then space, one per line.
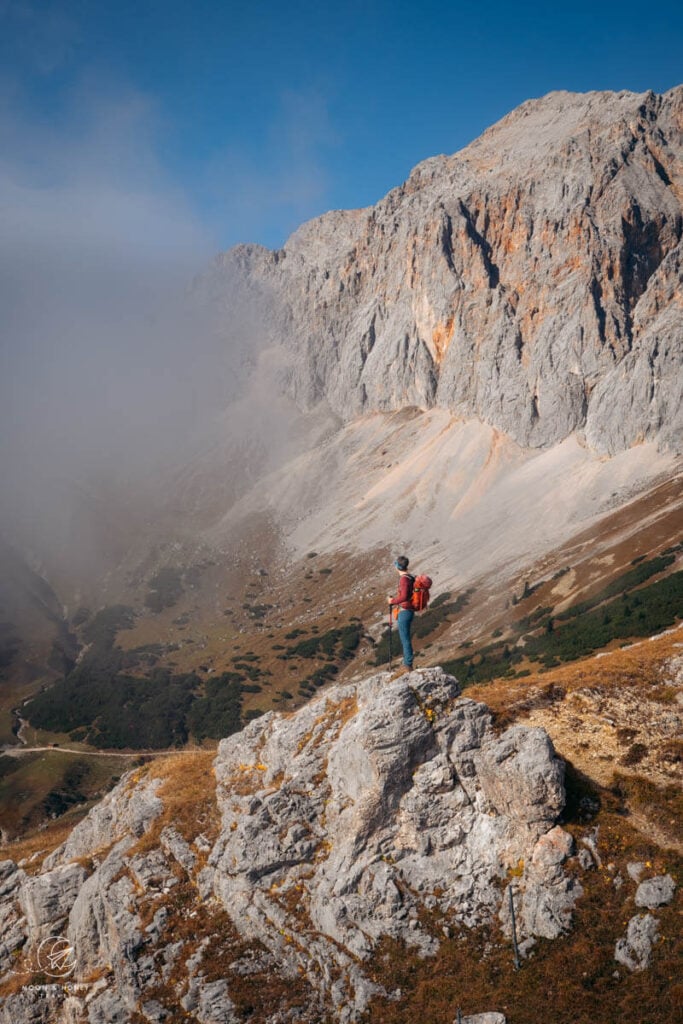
x=655, y=892
x=635, y=949
x=378, y=799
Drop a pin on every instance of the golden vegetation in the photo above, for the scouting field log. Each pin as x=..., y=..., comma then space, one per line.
x=41, y=842
x=188, y=793
x=612, y=717
x=572, y=979
x=256, y=994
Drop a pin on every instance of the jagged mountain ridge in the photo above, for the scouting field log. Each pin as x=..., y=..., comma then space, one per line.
x=531, y=281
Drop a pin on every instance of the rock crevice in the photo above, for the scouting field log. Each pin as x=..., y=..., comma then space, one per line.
x=531, y=281
x=343, y=824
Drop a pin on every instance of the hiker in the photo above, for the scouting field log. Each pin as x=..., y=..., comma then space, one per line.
x=402, y=606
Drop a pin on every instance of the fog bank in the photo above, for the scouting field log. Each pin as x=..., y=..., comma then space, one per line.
x=110, y=369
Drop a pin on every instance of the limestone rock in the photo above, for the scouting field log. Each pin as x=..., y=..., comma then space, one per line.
x=635, y=870
x=210, y=1002
x=13, y=926
x=47, y=899
x=154, y=1012
x=8, y=876
x=108, y=1008
x=340, y=825
x=484, y=1018
x=549, y=895
x=590, y=841
x=128, y=810
x=545, y=896
x=655, y=892
x=514, y=776
x=532, y=281
x=635, y=949
x=372, y=800
x=172, y=842
x=33, y=1005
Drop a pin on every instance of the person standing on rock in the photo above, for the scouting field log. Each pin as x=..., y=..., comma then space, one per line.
x=401, y=606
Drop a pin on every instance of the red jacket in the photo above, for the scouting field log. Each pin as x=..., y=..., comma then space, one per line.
x=404, y=592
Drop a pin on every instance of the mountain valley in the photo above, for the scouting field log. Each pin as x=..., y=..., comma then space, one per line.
x=210, y=784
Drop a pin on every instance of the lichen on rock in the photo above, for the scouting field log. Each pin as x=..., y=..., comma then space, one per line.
x=342, y=824
x=374, y=802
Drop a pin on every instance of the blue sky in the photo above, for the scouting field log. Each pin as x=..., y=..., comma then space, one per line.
x=244, y=119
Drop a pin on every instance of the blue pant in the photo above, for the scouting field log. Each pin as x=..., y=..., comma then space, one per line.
x=405, y=621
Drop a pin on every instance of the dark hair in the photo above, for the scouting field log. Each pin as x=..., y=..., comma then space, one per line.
x=402, y=563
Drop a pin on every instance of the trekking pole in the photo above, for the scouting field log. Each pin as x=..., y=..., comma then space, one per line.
x=514, y=929
x=390, y=638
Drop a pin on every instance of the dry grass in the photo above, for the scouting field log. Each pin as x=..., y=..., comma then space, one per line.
x=571, y=980
x=42, y=842
x=623, y=667
x=14, y=983
x=188, y=793
x=607, y=715
x=256, y=995
x=246, y=779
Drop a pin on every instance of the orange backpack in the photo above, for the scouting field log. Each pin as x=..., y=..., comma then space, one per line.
x=420, y=598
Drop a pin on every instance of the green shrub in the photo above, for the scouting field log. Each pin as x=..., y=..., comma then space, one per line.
x=576, y=634
x=80, y=616
x=642, y=572
x=218, y=712
x=102, y=629
x=165, y=589
x=335, y=642
x=257, y=611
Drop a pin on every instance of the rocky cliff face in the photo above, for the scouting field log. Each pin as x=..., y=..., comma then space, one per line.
x=339, y=826
x=532, y=280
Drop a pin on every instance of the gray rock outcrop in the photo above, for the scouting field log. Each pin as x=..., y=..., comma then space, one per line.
x=545, y=899
x=532, y=281
x=635, y=949
x=340, y=825
x=655, y=892
x=47, y=899
x=373, y=802
x=484, y=1018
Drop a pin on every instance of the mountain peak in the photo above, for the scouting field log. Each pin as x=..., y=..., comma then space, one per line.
x=531, y=281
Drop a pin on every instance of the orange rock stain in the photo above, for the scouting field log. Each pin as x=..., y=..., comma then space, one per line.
x=441, y=339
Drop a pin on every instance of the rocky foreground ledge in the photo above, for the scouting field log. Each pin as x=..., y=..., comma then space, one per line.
x=337, y=827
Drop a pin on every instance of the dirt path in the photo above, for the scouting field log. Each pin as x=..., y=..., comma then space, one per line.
x=20, y=751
